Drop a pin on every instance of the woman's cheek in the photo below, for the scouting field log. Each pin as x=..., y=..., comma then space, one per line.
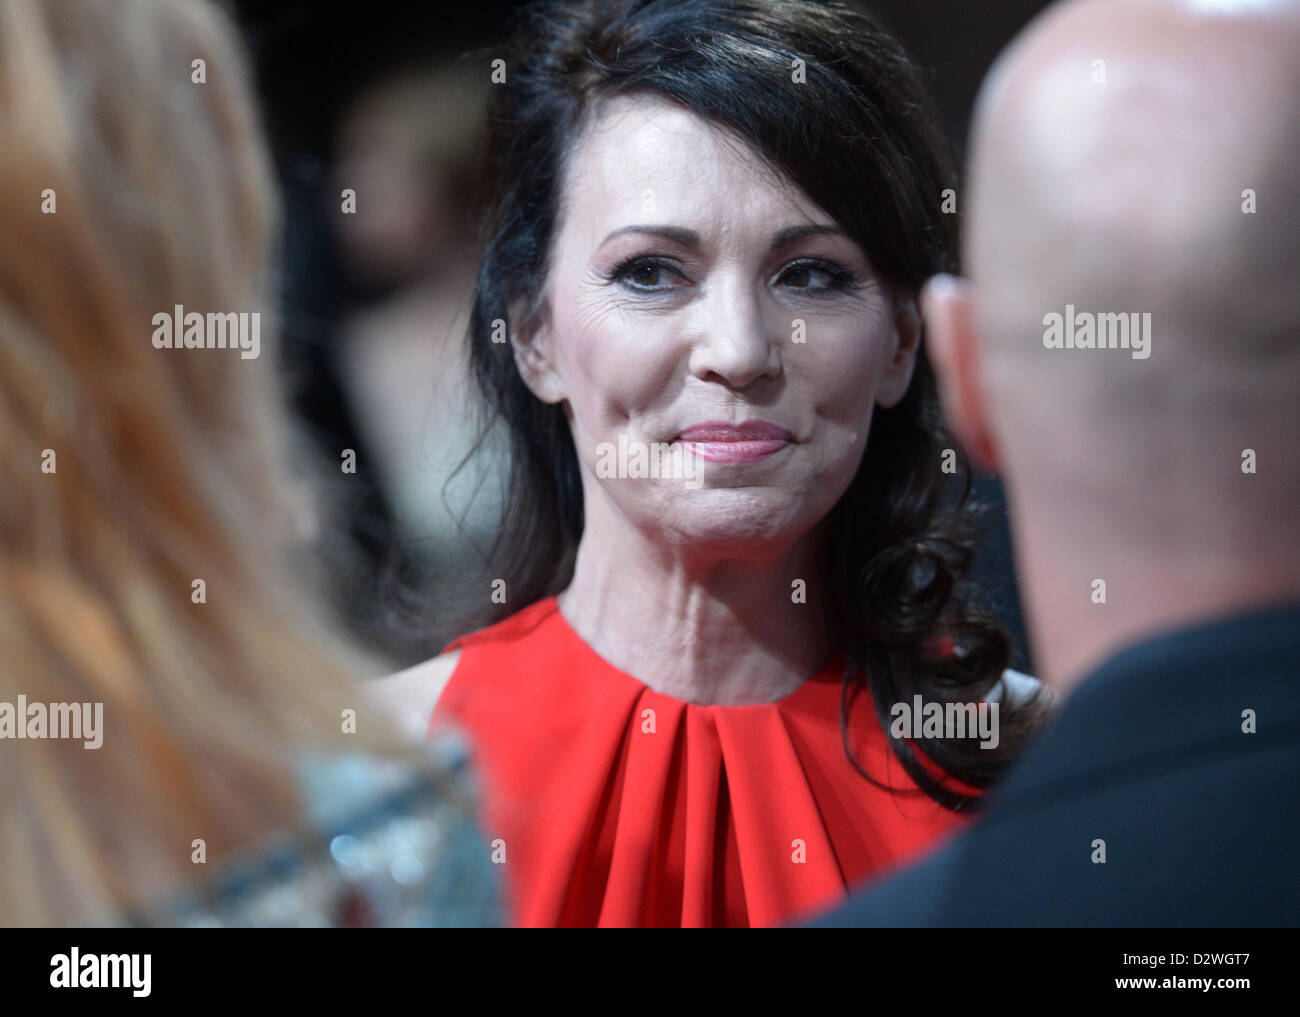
x=629, y=364
x=842, y=376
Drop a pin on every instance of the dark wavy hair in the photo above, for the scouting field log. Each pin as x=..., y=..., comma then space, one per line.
x=859, y=137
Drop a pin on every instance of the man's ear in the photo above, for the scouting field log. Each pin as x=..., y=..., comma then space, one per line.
x=948, y=306
x=898, y=372
x=533, y=347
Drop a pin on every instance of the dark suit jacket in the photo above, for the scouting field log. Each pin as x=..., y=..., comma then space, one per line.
x=1200, y=820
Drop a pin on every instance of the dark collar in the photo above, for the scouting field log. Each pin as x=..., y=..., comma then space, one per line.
x=1172, y=700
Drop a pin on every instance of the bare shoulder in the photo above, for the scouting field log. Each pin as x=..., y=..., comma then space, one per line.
x=411, y=695
x=1017, y=688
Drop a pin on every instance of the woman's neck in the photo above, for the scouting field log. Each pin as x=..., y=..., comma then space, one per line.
x=723, y=628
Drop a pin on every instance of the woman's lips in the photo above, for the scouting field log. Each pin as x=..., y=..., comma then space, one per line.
x=748, y=442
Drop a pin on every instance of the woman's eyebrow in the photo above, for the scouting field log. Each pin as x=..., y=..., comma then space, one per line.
x=677, y=234
x=793, y=233
x=689, y=238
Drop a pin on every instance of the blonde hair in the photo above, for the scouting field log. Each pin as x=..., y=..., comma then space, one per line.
x=167, y=467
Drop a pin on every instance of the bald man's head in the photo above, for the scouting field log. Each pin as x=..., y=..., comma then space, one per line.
x=1127, y=347
x=1132, y=184
x=1139, y=155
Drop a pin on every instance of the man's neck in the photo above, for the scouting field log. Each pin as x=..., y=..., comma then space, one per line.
x=1086, y=600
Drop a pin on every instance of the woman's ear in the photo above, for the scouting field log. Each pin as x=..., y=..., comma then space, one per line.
x=898, y=371
x=533, y=346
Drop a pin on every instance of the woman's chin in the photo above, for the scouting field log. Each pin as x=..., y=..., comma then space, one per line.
x=732, y=520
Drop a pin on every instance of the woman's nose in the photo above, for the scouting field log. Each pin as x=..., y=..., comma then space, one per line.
x=734, y=343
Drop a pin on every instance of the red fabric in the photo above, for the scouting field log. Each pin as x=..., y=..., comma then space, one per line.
x=699, y=823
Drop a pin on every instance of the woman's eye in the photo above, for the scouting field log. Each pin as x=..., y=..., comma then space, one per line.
x=651, y=275
x=644, y=274
x=815, y=277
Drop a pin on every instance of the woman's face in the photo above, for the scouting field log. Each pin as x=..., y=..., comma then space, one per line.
x=699, y=304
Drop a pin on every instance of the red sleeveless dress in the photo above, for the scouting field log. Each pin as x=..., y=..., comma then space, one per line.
x=614, y=805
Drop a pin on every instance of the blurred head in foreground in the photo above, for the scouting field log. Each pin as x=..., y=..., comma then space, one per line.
x=1127, y=348
x=146, y=512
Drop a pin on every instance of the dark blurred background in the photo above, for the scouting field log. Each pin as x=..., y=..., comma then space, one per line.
x=372, y=97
